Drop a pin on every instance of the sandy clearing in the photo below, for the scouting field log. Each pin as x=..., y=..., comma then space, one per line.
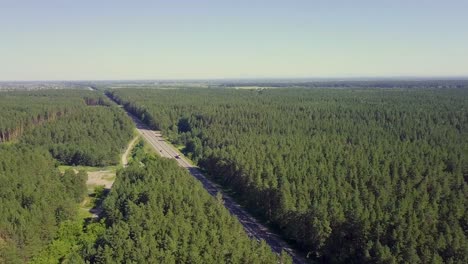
x=99, y=178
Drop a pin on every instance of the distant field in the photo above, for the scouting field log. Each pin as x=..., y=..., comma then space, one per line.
x=29, y=86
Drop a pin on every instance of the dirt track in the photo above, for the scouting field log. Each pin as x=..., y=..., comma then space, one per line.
x=127, y=151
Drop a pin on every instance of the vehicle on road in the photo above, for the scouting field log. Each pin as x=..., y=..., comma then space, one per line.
x=177, y=156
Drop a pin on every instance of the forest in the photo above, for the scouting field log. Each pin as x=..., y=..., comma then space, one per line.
x=348, y=175
x=155, y=213
x=22, y=110
x=77, y=127
x=158, y=213
x=94, y=136
x=35, y=198
x=41, y=130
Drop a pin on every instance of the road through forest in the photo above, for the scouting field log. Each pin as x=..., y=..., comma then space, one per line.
x=252, y=227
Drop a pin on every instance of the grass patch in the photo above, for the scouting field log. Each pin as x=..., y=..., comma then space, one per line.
x=85, y=206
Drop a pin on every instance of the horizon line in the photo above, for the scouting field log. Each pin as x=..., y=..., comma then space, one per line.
x=344, y=78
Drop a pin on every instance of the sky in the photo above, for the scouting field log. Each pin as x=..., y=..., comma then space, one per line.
x=201, y=39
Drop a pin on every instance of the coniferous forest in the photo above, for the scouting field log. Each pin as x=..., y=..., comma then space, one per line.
x=350, y=175
x=94, y=136
x=35, y=198
x=75, y=127
x=234, y=132
x=155, y=213
x=22, y=110
x=158, y=213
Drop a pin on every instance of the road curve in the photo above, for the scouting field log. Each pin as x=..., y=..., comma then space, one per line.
x=252, y=227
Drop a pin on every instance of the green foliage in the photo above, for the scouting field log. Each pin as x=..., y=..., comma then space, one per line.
x=99, y=192
x=93, y=136
x=75, y=184
x=73, y=239
x=352, y=175
x=77, y=127
x=34, y=199
x=159, y=214
x=138, y=152
x=21, y=111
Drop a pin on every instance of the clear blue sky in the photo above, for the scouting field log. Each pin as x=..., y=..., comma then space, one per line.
x=46, y=40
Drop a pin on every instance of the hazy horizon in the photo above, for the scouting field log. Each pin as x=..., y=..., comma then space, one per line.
x=285, y=79
x=219, y=40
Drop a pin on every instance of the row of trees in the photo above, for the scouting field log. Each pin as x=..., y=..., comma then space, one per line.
x=355, y=175
x=372, y=84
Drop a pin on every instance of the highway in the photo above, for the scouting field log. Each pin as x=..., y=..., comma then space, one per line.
x=252, y=227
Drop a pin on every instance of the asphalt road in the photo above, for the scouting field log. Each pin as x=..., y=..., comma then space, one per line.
x=252, y=227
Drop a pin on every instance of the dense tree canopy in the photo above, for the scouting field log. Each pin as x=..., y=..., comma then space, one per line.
x=157, y=213
x=23, y=110
x=76, y=127
x=34, y=198
x=352, y=175
x=93, y=136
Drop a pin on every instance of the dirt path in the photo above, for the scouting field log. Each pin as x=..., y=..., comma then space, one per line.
x=127, y=151
x=103, y=177
x=107, y=177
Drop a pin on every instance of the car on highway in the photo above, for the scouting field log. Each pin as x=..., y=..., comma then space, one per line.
x=177, y=156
